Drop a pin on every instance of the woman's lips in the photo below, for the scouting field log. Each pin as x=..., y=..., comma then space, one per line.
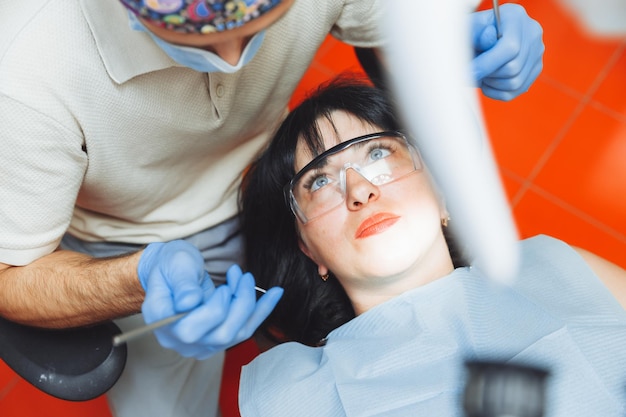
x=375, y=224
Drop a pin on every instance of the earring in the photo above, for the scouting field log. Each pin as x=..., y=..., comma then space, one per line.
x=325, y=277
x=444, y=221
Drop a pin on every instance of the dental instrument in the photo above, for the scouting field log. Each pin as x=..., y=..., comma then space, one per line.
x=496, y=14
x=124, y=337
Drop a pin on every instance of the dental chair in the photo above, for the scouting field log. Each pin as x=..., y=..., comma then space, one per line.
x=77, y=364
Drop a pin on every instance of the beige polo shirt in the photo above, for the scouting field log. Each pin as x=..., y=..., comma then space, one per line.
x=103, y=135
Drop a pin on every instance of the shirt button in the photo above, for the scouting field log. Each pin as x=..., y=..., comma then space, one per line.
x=220, y=90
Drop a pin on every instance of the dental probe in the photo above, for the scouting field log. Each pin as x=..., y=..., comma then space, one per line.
x=496, y=13
x=142, y=330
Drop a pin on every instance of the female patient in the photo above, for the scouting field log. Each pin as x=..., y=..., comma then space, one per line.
x=340, y=212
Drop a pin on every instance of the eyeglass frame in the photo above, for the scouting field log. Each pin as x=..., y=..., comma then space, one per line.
x=290, y=198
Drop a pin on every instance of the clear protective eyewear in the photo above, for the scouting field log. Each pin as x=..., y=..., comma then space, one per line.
x=320, y=186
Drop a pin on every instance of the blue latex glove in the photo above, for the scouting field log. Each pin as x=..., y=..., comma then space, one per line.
x=173, y=276
x=505, y=68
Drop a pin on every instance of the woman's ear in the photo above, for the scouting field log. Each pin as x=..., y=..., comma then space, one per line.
x=444, y=216
x=443, y=211
x=304, y=249
x=321, y=269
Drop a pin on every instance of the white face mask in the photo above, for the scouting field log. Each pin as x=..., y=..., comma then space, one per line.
x=200, y=59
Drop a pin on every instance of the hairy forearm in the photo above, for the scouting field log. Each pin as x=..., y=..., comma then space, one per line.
x=69, y=289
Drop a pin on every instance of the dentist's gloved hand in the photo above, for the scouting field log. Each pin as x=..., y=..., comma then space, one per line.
x=505, y=68
x=173, y=276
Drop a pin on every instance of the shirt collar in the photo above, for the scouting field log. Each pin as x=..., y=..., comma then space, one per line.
x=125, y=53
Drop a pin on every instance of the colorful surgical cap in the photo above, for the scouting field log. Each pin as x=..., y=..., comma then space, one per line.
x=199, y=16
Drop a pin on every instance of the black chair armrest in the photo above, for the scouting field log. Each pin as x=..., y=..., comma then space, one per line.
x=76, y=364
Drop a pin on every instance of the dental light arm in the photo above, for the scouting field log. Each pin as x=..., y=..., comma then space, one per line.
x=428, y=54
x=601, y=17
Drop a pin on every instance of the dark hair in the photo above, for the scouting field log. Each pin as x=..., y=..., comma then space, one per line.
x=310, y=308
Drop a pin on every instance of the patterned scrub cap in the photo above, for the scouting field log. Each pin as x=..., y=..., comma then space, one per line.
x=199, y=16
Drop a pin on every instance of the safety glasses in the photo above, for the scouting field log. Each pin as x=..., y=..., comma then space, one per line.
x=320, y=186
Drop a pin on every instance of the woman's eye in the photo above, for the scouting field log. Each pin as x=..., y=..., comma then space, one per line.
x=379, y=153
x=319, y=182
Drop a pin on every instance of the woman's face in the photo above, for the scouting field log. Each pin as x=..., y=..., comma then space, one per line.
x=382, y=240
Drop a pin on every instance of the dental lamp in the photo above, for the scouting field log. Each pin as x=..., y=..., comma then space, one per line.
x=428, y=56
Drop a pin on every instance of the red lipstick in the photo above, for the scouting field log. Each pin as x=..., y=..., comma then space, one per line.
x=375, y=224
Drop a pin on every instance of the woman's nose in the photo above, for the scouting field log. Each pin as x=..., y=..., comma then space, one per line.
x=359, y=190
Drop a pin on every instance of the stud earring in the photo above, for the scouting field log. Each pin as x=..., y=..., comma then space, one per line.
x=444, y=221
x=325, y=277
